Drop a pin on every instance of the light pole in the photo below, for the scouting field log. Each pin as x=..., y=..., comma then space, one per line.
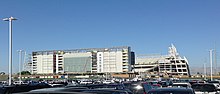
x=24, y=61
x=205, y=71
x=67, y=72
x=20, y=60
x=10, y=47
x=210, y=52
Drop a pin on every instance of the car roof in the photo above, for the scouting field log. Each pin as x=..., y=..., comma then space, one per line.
x=181, y=83
x=172, y=89
x=53, y=92
x=202, y=84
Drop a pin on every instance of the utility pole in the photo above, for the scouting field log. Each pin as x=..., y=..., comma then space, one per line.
x=215, y=61
x=23, y=66
x=205, y=71
x=19, y=65
x=10, y=49
x=210, y=52
x=67, y=72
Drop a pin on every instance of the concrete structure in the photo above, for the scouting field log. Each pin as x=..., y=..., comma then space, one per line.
x=171, y=64
x=93, y=60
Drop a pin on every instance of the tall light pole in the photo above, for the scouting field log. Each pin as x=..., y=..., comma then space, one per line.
x=10, y=47
x=210, y=52
x=205, y=71
x=19, y=65
x=24, y=61
x=67, y=72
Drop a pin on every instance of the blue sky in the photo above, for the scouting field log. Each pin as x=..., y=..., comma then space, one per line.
x=148, y=26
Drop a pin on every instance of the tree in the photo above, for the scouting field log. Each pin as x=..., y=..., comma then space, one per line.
x=2, y=73
x=25, y=73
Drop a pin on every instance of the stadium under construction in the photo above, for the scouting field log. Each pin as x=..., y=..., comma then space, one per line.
x=171, y=64
x=117, y=61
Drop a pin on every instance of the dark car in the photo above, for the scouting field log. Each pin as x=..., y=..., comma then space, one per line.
x=53, y=92
x=22, y=88
x=155, y=86
x=138, y=87
x=171, y=91
x=115, y=86
x=75, y=90
x=164, y=83
x=105, y=91
x=57, y=90
x=216, y=83
x=60, y=89
x=210, y=88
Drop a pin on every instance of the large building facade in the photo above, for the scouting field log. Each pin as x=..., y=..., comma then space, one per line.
x=171, y=64
x=94, y=60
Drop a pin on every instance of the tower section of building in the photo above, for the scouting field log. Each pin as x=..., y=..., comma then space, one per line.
x=43, y=63
x=109, y=62
x=93, y=60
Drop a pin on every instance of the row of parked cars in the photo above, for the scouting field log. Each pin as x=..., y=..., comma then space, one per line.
x=126, y=87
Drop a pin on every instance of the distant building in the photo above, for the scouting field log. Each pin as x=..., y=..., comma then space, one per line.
x=171, y=64
x=93, y=60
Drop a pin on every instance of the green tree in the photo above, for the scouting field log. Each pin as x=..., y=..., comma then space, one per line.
x=2, y=73
x=25, y=73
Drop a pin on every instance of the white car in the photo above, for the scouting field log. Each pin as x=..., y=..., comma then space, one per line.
x=107, y=81
x=86, y=82
x=19, y=82
x=186, y=85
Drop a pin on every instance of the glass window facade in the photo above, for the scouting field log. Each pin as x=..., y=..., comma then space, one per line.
x=77, y=64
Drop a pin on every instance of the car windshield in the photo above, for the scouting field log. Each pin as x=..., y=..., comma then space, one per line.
x=204, y=87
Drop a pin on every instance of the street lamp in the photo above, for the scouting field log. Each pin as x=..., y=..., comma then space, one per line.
x=23, y=66
x=10, y=47
x=210, y=52
x=205, y=70
x=19, y=66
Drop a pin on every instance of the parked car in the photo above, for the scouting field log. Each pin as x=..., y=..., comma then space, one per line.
x=164, y=83
x=216, y=83
x=138, y=87
x=76, y=90
x=186, y=85
x=53, y=92
x=105, y=91
x=107, y=81
x=22, y=88
x=205, y=88
x=115, y=86
x=19, y=83
x=196, y=81
x=171, y=90
x=86, y=82
x=60, y=90
x=156, y=86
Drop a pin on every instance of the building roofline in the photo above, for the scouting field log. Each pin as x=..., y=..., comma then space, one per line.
x=81, y=50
